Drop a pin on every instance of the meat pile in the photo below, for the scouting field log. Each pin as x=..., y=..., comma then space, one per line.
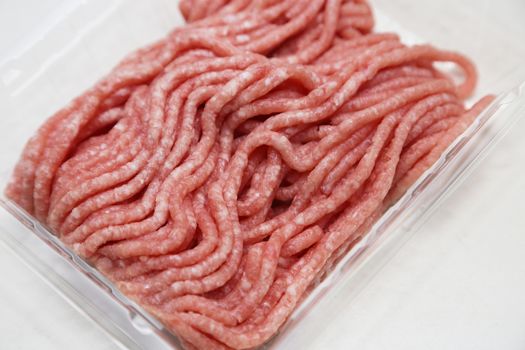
x=218, y=173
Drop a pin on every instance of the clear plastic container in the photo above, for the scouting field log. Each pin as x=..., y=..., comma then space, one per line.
x=91, y=36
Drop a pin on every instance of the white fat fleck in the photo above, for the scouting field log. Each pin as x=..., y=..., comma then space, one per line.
x=281, y=73
x=301, y=114
x=267, y=82
x=229, y=18
x=75, y=213
x=339, y=99
x=245, y=75
x=293, y=60
x=242, y=38
x=331, y=85
x=246, y=285
x=230, y=89
x=76, y=248
x=247, y=24
x=241, y=113
x=292, y=291
x=133, y=166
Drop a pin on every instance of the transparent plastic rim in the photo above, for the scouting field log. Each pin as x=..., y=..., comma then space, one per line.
x=371, y=252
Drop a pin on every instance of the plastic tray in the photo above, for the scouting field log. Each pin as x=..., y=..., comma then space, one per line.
x=74, y=44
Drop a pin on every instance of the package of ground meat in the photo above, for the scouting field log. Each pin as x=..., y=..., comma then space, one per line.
x=226, y=174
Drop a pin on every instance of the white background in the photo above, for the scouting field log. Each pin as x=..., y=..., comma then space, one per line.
x=459, y=283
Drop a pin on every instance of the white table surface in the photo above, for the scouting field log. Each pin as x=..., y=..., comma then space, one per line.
x=459, y=283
